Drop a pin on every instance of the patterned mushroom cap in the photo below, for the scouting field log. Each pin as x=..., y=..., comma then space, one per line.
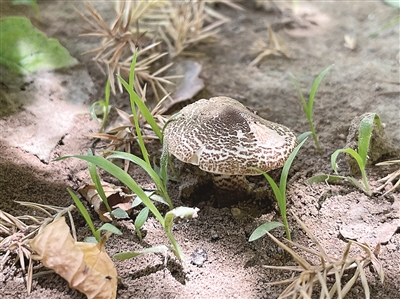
x=222, y=136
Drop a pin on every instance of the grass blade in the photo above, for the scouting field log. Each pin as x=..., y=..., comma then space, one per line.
x=131, y=254
x=85, y=214
x=314, y=88
x=364, y=134
x=150, y=171
x=97, y=183
x=263, y=229
x=288, y=164
x=124, y=178
x=349, y=151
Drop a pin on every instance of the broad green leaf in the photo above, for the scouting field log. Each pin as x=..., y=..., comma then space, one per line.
x=137, y=201
x=364, y=134
x=262, y=229
x=120, y=213
x=110, y=228
x=140, y=220
x=24, y=49
x=158, y=198
x=131, y=254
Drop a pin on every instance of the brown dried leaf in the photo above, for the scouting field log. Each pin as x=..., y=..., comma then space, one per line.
x=116, y=197
x=85, y=266
x=275, y=46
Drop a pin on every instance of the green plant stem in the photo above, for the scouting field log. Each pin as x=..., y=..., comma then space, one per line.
x=365, y=181
x=177, y=250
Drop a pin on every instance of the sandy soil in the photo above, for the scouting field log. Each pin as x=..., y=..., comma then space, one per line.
x=359, y=82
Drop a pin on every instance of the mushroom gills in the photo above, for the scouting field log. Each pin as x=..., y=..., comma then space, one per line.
x=231, y=182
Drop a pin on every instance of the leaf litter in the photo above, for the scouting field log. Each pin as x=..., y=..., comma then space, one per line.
x=86, y=266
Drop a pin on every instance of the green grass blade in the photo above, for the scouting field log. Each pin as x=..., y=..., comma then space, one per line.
x=163, y=163
x=99, y=187
x=275, y=188
x=132, y=94
x=358, y=185
x=303, y=136
x=124, y=178
x=131, y=254
x=366, y=188
x=85, y=214
x=288, y=164
x=325, y=178
x=364, y=134
x=281, y=199
x=303, y=101
x=263, y=229
x=138, y=101
x=314, y=88
x=349, y=151
x=93, y=110
x=150, y=171
x=106, y=105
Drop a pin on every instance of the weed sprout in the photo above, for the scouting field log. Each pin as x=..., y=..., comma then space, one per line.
x=280, y=194
x=309, y=106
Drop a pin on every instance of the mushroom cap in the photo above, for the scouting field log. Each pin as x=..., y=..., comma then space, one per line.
x=222, y=136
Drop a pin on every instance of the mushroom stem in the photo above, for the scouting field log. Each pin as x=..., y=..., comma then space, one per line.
x=231, y=182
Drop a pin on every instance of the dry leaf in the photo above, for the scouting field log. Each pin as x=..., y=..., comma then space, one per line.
x=350, y=41
x=86, y=266
x=275, y=46
x=116, y=197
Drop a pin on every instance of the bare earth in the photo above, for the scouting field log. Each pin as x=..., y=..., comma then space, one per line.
x=363, y=80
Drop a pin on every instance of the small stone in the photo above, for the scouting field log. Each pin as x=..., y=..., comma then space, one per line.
x=198, y=257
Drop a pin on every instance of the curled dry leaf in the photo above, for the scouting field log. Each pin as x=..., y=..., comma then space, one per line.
x=86, y=266
x=117, y=197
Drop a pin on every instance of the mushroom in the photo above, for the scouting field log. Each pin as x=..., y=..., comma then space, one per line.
x=223, y=137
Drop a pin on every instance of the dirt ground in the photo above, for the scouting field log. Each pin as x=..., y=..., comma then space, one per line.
x=365, y=79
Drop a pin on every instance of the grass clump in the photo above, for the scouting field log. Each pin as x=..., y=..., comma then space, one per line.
x=280, y=194
x=142, y=197
x=308, y=106
x=342, y=271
